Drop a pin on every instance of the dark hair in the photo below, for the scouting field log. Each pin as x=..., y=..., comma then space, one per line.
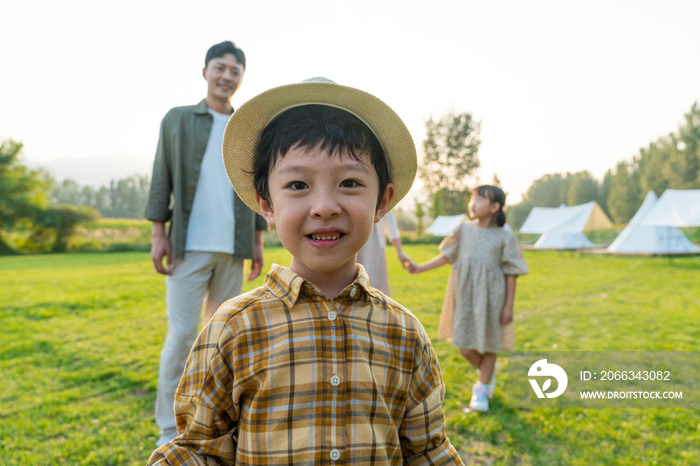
x=221, y=49
x=493, y=194
x=322, y=127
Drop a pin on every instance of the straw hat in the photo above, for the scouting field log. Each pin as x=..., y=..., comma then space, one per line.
x=248, y=122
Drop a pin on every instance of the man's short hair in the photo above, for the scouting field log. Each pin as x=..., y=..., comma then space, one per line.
x=321, y=127
x=221, y=49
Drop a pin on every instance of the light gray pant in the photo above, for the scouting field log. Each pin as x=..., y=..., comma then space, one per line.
x=213, y=276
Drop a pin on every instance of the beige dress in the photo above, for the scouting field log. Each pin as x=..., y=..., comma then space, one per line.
x=372, y=255
x=476, y=290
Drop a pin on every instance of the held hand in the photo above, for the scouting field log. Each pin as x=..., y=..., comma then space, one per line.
x=257, y=264
x=159, y=248
x=405, y=259
x=506, y=314
x=413, y=267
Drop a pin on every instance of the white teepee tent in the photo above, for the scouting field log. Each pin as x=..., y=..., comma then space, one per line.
x=675, y=208
x=638, y=238
x=443, y=225
x=562, y=227
x=563, y=240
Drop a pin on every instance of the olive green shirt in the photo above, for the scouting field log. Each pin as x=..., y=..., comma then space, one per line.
x=184, y=133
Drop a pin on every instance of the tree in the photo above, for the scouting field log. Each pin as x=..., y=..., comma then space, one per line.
x=420, y=213
x=449, y=202
x=650, y=163
x=548, y=191
x=582, y=188
x=22, y=191
x=604, y=192
x=24, y=206
x=625, y=195
x=128, y=197
x=404, y=220
x=688, y=147
x=496, y=181
x=516, y=214
x=124, y=198
x=60, y=221
x=450, y=152
x=67, y=192
x=672, y=161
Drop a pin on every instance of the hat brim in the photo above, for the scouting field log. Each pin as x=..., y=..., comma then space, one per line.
x=245, y=126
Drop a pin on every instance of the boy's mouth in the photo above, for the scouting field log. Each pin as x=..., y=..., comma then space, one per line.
x=325, y=236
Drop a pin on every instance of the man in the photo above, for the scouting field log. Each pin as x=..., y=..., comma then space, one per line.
x=211, y=230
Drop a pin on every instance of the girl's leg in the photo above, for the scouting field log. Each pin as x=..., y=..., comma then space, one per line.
x=488, y=361
x=474, y=357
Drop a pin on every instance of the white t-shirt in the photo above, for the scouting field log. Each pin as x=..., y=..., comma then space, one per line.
x=211, y=225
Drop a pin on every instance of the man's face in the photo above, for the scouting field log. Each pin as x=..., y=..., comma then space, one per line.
x=223, y=75
x=324, y=208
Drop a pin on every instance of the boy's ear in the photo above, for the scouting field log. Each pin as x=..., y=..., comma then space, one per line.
x=265, y=210
x=384, y=203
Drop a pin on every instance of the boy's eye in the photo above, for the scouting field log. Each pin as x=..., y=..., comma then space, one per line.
x=349, y=183
x=297, y=185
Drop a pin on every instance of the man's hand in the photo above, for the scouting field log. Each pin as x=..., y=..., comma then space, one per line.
x=161, y=247
x=257, y=264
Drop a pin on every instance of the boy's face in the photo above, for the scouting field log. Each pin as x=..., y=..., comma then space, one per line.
x=324, y=208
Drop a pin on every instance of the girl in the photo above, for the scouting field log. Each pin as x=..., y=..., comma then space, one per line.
x=477, y=315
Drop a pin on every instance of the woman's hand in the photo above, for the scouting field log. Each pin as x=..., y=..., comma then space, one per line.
x=404, y=258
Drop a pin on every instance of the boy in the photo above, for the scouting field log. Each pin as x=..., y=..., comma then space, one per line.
x=314, y=367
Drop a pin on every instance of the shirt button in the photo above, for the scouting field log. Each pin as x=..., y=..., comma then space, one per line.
x=332, y=316
x=353, y=292
x=335, y=380
x=335, y=454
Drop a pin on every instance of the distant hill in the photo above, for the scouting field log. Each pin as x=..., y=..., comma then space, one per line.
x=94, y=171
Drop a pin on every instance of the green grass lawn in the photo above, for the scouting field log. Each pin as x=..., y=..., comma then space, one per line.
x=81, y=336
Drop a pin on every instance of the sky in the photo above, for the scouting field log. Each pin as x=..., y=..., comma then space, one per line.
x=557, y=85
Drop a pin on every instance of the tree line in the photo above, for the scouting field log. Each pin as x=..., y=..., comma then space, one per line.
x=38, y=214
x=451, y=157
x=125, y=198
x=29, y=221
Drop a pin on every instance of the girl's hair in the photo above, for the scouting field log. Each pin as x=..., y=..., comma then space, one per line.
x=493, y=194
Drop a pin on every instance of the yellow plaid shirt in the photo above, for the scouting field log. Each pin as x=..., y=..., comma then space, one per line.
x=283, y=375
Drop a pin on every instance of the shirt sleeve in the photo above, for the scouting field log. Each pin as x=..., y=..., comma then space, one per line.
x=204, y=411
x=422, y=432
x=512, y=260
x=450, y=245
x=161, y=179
x=390, y=225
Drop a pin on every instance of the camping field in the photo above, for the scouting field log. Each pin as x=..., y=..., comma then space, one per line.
x=81, y=335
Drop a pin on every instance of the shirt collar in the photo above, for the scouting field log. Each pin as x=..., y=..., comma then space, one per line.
x=202, y=109
x=287, y=285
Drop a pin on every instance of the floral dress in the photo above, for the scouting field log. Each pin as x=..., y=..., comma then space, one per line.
x=476, y=290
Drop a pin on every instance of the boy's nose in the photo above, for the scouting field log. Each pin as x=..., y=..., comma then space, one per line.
x=324, y=205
